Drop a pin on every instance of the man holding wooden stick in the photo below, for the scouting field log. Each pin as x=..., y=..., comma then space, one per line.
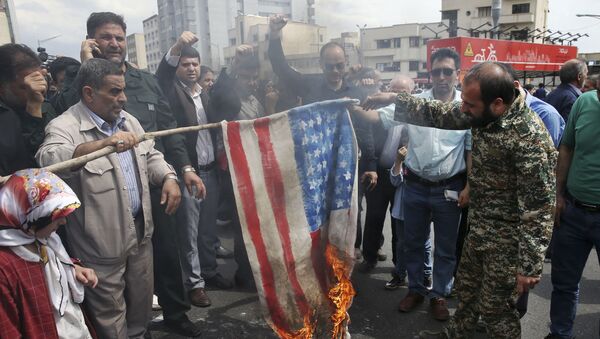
x=111, y=231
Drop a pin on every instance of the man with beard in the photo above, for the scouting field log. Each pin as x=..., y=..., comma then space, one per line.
x=147, y=103
x=512, y=196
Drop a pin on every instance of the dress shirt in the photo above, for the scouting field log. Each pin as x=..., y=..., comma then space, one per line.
x=204, y=145
x=126, y=160
x=555, y=124
x=433, y=154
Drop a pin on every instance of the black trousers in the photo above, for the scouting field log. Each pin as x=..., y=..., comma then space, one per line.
x=379, y=200
x=168, y=280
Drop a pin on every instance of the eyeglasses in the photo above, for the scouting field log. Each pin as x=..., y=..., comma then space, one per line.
x=438, y=71
x=330, y=67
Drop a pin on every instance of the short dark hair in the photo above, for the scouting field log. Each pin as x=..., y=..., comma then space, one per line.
x=541, y=85
x=92, y=73
x=331, y=44
x=189, y=52
x=15, y=58
x=205, y=69
x=528, y=87
x=60, y=64
x=495, y=81
x=98, y=19
x=443, y=53
x=570, y=70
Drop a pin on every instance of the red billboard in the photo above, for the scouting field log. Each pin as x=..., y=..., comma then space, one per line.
x=523, y=56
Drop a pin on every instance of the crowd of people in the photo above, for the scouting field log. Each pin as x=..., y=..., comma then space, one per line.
x=499, y=169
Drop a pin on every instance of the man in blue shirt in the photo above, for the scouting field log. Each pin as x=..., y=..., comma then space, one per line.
x=572, y=77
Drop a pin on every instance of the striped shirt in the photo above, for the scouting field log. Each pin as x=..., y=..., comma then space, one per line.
x=126, y=160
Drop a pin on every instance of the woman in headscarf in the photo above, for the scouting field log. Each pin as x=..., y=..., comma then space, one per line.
x=40, y=286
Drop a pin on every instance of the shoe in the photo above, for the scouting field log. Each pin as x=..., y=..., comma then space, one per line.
x=219, y=282
x=357, y=254
x=428, y=282
x=433, y=335
x=381, y=256
x=183, y=327
x=223, y=253
x=367, y=266
x=199, y=298
x=395, y=283
x=410, y=301
x=439, y=309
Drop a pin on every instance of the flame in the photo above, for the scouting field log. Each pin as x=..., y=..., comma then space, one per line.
x=341, y=293
x=305, y=332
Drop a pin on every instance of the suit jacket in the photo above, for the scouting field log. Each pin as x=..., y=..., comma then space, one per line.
x=563, y=98
x=102, y=230
x=184, y=109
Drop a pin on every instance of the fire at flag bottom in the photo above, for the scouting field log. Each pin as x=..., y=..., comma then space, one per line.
x=295, y=180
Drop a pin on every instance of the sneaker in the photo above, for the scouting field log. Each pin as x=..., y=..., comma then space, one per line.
x=439, y=309
x=395, y=283
x=428, y=282
x=381, y=256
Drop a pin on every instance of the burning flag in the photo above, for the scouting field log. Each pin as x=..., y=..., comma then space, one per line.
x=295, y=181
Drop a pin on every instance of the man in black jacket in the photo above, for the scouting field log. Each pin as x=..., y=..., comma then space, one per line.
x=178, y=75
x=146, y=101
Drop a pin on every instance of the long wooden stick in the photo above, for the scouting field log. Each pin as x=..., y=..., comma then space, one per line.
x=82, y=160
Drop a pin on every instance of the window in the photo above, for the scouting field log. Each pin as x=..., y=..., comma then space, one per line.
x=385, y=43
x=424, y=65
x=520, y=8
x=413, y=66
x=425, y=41
x=484, y=12
x=413, y=41
x=396, y=66
x=397, y=42
x=452, y=17
x=519, y=35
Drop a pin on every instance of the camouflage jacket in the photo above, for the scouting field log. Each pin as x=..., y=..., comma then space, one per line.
x=512, y=181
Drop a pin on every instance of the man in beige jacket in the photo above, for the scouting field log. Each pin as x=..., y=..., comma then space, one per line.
x=112, y=231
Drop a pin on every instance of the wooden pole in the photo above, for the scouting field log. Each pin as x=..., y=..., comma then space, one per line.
x=82, y=160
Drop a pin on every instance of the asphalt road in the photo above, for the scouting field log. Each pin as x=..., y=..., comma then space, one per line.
x=236, y=314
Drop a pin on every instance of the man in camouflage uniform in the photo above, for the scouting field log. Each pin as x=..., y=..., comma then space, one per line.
x=512, y=196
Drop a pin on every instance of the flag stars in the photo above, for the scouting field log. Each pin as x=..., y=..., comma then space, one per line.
x=311, y=123
x=347, y=175
x=319, y=120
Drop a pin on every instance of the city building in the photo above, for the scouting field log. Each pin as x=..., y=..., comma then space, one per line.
x=8, y=23
x=351, y=43
x=211, y=20
x=301, y=43
x=152, y=43
x=136, y=50
x=518, y=19
x=399, y=49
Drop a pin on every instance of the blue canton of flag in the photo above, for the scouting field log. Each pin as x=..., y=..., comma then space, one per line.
x=324, y=152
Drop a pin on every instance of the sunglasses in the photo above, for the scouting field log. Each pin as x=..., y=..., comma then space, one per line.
x=330, y=67
x=438, y=71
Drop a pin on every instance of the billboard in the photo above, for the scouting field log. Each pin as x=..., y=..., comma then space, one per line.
x=523, y=56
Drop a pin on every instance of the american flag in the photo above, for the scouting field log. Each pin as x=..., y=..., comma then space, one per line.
x=294, y=177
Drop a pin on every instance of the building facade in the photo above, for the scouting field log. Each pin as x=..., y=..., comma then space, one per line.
x=136, y=50
x=301, y=43
x=211, y=20
x=518, y=19
x=152, y=43
x=8, y=23
x=398, y=49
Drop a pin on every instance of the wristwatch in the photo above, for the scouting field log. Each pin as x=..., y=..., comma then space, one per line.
x=171, y=176
x=188, y=168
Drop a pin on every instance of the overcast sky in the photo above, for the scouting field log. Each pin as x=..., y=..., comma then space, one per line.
x=39, y=20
